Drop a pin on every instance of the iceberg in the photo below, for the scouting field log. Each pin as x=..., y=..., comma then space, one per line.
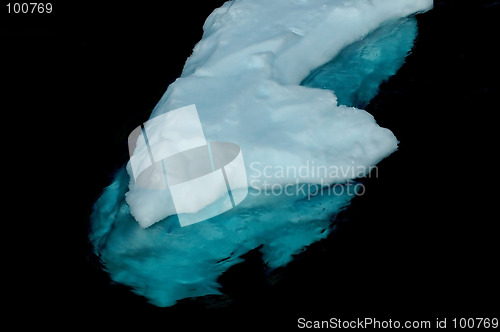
x=284, y=80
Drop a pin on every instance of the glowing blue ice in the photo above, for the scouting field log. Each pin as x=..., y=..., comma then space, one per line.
x=356, y=73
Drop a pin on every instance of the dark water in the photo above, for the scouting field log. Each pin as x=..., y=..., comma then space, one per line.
x=422, y=243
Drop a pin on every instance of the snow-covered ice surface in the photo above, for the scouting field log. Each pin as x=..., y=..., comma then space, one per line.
x=244, y=77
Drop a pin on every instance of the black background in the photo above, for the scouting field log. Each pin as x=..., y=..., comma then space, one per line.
x=421, y=244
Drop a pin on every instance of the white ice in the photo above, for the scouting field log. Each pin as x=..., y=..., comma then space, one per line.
x=244, y=76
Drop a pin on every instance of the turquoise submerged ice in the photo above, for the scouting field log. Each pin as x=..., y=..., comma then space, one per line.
x=245, y=78
x=357, y=71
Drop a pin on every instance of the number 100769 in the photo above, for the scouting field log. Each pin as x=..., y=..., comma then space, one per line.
x=29, y=8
